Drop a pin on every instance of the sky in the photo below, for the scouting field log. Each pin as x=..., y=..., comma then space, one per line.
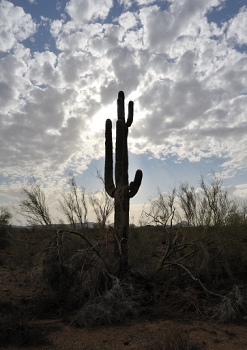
x=62, y=63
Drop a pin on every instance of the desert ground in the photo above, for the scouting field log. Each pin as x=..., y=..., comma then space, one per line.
x=154, y=328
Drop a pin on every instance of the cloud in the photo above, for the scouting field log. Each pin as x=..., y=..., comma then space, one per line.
x=188, y=78
x=237, y=28
x=127, y=20
x=125, y=3
x=82, y=11
x=163, y=28
x=15, y=25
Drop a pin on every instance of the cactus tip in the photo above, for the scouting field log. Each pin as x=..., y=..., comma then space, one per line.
x=121, y=95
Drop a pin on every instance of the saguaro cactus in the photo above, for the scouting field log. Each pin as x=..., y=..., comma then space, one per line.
x=121, y=191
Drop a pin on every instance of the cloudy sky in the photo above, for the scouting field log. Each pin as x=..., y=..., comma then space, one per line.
x=182, y=62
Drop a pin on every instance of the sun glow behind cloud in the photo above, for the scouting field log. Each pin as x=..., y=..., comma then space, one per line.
x=99, y=119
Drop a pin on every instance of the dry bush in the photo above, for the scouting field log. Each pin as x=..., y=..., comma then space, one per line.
x=142, y=245
x=184, y=301
x=232, y=307
x=221, y=258
x=25, y=245
x=124, y=299
x=110, y=308
x=178, y=294
x=68, y=277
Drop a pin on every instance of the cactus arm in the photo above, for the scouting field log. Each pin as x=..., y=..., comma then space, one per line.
x=135, y=185
x=130, y=114
x=109, y=184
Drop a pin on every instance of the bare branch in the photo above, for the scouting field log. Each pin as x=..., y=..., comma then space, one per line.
x=33, y=207
x=73, y=207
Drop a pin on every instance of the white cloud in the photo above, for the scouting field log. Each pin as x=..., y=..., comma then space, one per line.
x=190, y=83
x=240, y=191
x=127, y=20
x=126, y=3
x=145, y=2
x=237, y=28
x=15, y=25
x=82, y=11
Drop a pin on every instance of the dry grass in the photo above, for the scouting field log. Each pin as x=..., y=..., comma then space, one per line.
x=232, y=307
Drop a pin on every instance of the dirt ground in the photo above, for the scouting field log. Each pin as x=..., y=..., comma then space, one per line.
x=147, y=332
x=144, y=334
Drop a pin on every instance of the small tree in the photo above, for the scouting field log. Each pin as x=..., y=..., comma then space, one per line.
x=36, y=212
x=188, y=203
x=219, y=205
x=34, y=207
x=103, y=206
x=162, y=209
x=5, y=217
x=243, y=210
x=73, y=204
x=203, y=212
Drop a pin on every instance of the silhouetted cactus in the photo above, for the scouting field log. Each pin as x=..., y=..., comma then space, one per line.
x=121, y=191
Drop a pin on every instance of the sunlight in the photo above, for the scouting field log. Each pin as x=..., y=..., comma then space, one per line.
x=110, y=111
x=98, y=121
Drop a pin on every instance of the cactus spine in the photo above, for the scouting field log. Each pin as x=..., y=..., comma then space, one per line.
x=121, y=191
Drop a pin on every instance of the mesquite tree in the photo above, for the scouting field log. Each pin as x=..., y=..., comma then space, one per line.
x=122, y=190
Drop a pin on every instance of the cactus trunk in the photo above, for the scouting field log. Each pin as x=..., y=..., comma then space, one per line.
x=121, y=191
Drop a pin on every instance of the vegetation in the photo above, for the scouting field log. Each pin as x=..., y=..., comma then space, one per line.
x=198, y=268
x=5, y=217
x=73, y=204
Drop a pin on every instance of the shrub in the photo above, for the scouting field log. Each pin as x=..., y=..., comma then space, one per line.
x=122, y=300
x=232, y=306
x=110, y=308
x=4, y=241
x=217, y=260
x=142, y=245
